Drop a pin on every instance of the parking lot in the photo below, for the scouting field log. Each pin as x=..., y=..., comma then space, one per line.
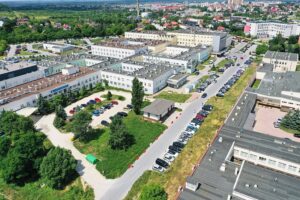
x=107, y=113
x=265, y=118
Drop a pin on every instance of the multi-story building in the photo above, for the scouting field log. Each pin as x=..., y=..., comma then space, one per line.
x=190, y=38
x=270, y=29
x=235, y=3
x=189, y=58
x=57, y=48
x=123, y=48
x=243, y=164
x=281, y=61
x=151, y=35
x=154, y=77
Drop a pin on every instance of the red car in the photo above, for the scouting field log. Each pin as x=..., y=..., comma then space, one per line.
x=97, y=100
x=114, y=102
x=72, y=112
x=200, y=117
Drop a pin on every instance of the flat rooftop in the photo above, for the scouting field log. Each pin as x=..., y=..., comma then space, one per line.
x=198, y=32
x=4, y=68
x=129, y=43
x=215, y=184
x=40, y=85
x=274, y=83
x=149, y=71
x=282, y=56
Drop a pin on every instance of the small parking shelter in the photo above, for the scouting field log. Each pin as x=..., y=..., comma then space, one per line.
x=158, y=109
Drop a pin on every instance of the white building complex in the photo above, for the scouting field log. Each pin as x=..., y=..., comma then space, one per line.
x=57, y=48
x=281, y=61
x=271, y=29
x=125, y=48
x=188, y=38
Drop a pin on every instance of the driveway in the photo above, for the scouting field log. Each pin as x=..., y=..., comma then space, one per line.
x=86, y=170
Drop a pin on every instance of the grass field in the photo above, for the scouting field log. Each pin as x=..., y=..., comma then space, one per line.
x=195, y=149
x=256, y=84
x=113, y=163
x=173, y=96
x=298, y=68
x=222, y=64
x=35, y=191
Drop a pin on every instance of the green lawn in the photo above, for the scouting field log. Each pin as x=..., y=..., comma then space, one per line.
x=298, y=68
x=200, y=67
x=256, y=84
x=113, y=163
x=34, y=191
x=195, y=149
x=114, y=97
x=173, y=96
x=26, y=53
x=222, y=64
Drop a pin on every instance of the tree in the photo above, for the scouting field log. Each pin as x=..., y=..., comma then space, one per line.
x=60, y=112
x=5, y=143
x=58, y=168
x=137, y=95
x=80, y=124
x=43, y=105
x=153, y=192
x=261, y=49
x=292, y=120
x=83, y=91
x=109, y=95
x=119, y=137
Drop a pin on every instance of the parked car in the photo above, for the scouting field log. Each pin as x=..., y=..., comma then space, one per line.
x=169, y=158
x=204, y=95
x=122, y=114
x=276, y=124
x=207, y=107
x=161, y=163
x=72, y=112
x=129, y=106
x=176, y=149
x=158, y=168
x=83, y=105
x=178, y=144
x=203, y=113
x=220, y=94
x=114, y=102
x=96, y=113
x=104, y=123
x=297, y=135
x=174, y=153
x=97, y=100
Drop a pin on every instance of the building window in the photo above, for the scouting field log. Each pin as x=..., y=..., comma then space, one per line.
x=244, y=154
x=292, y=168
x=281, y=165
x=253, y=157
x=272, y=162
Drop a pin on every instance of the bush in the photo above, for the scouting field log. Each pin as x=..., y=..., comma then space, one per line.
x=121, y=98
x=153, y=192
x=58, y=168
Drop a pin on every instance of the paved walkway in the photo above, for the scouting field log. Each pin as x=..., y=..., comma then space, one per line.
x=88, y=171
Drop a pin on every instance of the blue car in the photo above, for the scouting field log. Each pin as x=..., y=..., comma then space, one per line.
x=96, y=113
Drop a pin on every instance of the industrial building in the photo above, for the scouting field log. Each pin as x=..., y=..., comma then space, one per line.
x=242, y=164
x=158, y=109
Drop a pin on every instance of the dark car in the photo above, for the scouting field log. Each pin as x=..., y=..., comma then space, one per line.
x=122, y=114
x=204, y=95
x=162, y=163
x=220, y=94
x=104, y=123
x=174, y=148
x=207, y=107
x=197, y=121
x=297, y=135
x=129, y=106
x=172, y=152
x=178, y=144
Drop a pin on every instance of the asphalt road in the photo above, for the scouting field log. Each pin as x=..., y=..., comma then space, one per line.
x=122, y=185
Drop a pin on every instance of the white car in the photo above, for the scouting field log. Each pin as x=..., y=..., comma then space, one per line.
x=183, y=141
x=169, y=158
x=158, y=168
x=194, y=125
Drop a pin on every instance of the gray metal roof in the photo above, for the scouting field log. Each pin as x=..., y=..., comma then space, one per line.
x=274, y=83
x=282, y=55
x=217, y=185
x=158, y=107
x=266, y=184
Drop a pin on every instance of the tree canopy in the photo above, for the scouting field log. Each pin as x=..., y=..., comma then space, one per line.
x=137, y=95
x=261, y=49
x=119, y=136
x=58, y=168
x=292, y=120
x=80, y=124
